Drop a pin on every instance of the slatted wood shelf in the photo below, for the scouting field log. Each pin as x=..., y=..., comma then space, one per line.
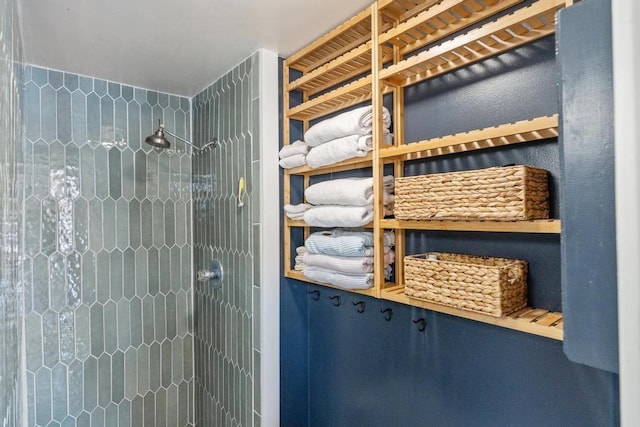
x=510, y=31
x=533, y=321
x=338, y=99
x=337, y=42
x=354, y=63
x=335, y=73
x=539, y=128
x=541, y=226
x=439, y=21
x=294, y=274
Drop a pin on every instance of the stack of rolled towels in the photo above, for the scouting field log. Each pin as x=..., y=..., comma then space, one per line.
x=343, y=258
x=345, y=136
x=346, y=202
x=293, y=155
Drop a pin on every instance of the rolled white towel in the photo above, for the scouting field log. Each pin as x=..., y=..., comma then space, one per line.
x=297, y=147
x=346, y=191
x=338, y=216
x=296, y=211
x=337, y=150
x=293, y=161
x=355, y=122
x=347, y=265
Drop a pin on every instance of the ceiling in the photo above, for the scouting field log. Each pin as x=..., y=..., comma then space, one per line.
x=174, y=46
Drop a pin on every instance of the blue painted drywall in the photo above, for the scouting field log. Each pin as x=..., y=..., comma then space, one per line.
x=588, y=216
x=365, y=371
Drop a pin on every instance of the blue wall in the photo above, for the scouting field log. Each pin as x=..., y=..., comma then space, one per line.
x=352, y=369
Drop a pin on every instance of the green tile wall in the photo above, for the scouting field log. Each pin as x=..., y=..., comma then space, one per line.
x=226, y=321
x=107, y=255
x=10, y=215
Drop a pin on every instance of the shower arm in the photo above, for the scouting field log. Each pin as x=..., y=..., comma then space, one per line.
x=214, y=141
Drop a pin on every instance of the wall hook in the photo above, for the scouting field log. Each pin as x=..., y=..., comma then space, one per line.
x=337, y=300
x=388, y=313
x=361, y=306
x=423, y=323
x=315, y=295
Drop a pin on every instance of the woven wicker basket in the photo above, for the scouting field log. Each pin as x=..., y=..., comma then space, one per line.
x=501, y=194
x=493, y=286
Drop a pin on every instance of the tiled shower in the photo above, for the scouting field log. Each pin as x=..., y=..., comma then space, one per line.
x=107, y=266
x=226, y=330
x=103, y=322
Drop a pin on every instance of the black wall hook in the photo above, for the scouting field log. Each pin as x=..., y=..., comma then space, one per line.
x=337, y=300
x=361, y=306
x=315, y=295
x=423, y=323
x=388, y=313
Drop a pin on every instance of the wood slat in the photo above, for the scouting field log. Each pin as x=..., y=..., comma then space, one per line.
x=541, y=226
x=511, y=133
x=476, y=45
x=549, y=319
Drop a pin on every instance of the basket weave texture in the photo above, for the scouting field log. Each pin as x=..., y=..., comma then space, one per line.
x=501, y=194
x=488, y=285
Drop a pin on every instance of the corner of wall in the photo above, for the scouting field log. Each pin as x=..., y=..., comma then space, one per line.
x=270, y=239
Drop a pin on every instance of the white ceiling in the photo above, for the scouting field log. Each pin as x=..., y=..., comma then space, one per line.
x=175, y=46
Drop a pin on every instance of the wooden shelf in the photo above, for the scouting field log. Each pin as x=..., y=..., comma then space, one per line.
x=394, y=41
x=355, y=63
x=533, y=321
x=333, y=44
x=294, y=274
x=512, y=133
x=542, y=226
x=338, y=99
x=439, y=21
x=521, y=27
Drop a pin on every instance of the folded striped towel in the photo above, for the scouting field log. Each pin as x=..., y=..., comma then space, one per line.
x=347, y=281
x=340, y=242
x=342, y=264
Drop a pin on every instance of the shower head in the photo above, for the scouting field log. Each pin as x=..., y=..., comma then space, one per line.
x=157, y=139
